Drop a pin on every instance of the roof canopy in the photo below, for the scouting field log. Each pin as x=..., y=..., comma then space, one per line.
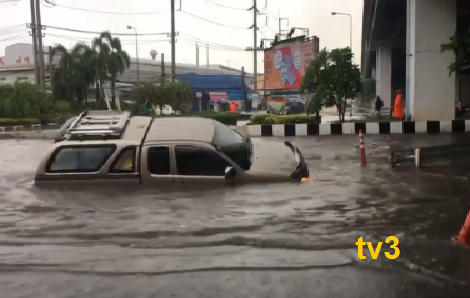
x=210, y=82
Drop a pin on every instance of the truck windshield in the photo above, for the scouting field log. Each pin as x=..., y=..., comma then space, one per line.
x=233, y=145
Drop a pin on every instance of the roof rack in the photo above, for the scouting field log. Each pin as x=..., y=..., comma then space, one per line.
x=103, y=123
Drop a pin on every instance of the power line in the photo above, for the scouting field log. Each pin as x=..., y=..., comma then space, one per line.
x=205, y=42
x=215, y=47
x=19, y=36
x=12, y=27
x=89, y=40
x=144, y=13
x=226, y=6
x=98, y=33
x=213, y=22
x=12, y=32
x=107, y=12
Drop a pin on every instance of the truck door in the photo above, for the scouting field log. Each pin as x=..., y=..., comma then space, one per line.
x=156, y=164
x=123, y=169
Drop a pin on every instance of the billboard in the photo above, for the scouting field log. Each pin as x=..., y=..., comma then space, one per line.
x=285, y=64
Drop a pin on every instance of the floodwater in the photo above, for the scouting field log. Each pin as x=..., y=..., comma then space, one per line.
x=272, y=241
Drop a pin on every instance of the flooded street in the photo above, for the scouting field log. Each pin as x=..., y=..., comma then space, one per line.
x=283, y=240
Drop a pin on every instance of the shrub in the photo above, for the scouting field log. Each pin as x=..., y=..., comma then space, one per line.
x=226, y=118
x=18, y=121
x=259, y=119
x=285, y=119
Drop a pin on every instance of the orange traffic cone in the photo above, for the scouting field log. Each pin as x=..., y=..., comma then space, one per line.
x=464, y=236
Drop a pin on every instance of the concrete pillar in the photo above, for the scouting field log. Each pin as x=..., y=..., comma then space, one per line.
x=383, y=78
x=432, y=91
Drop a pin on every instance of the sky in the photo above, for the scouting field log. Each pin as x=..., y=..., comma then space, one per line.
x=222, y=24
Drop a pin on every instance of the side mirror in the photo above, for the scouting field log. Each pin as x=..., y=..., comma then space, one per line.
x=230, y=173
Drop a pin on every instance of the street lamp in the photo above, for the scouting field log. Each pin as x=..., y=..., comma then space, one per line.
x=350, y=25
x=136, y=54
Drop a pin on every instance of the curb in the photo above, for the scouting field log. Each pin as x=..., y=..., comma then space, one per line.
x=324, y=129
x=23, y=127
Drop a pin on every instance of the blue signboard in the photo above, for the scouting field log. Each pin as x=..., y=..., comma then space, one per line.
x=236, y=95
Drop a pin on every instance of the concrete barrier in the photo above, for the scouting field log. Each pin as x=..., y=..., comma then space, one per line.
x=348, y=128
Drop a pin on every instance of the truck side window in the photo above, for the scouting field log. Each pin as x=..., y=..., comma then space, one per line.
x=197, y=161
x=79, y=159
x=125, y=161
x=159, y=161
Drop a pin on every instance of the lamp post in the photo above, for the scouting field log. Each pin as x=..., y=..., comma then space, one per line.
x=350, y=25
x=136, y=54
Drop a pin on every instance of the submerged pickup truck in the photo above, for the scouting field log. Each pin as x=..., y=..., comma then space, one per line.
x=111, y=147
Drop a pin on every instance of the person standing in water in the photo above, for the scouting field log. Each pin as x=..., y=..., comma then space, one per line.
x=399, y=107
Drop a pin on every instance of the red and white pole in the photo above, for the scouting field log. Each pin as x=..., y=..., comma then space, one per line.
x=362, y=148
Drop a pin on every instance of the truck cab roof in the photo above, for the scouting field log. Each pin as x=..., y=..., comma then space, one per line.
x=99, y=126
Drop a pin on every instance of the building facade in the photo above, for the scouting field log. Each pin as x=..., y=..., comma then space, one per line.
x=401, y=44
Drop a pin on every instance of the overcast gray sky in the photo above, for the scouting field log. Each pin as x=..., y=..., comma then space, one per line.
x=333, y=31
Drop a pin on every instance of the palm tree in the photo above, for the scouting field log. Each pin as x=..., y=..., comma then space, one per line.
x=74, y=76
x=111, y=59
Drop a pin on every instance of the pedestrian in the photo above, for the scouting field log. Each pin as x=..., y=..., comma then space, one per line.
x=378, y=106
x=399, y=110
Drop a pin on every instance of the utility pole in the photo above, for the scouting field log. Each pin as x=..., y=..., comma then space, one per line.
x=255, y=43
x=42, y=72
x=51, y=72
x=162, y=64
x=173, y=43
x=35, y=45
x=197, y=55
x=207, y=55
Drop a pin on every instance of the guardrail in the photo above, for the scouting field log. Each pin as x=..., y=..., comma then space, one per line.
x=428, y=156
x=21, y=127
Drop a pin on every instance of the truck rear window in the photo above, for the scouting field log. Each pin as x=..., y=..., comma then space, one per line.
x=80, y=159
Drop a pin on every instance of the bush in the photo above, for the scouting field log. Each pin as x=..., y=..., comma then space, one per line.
x=226, y=118
x=19, y=121
x=284, y=119
x=259, y=119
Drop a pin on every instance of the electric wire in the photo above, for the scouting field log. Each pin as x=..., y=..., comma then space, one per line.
x=98, y=33
x=226, y=6
x=205, y=42
x=108, y=12
x=4, y=29
x=89, y=40
x=147, y=13
x=19, y=36
x=12, y=32
x=213, y=22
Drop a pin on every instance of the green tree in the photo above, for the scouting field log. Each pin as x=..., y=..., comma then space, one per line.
x=332, y=77
x=110, y=59
x=459, y=45
x=72, y=79
x=163, y=91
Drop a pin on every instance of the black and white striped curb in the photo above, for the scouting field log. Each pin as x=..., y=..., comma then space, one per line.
x=393, y=127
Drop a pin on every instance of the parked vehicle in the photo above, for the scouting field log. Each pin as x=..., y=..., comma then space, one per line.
x=167, y=110
x=294, y=107
x=110, y=147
